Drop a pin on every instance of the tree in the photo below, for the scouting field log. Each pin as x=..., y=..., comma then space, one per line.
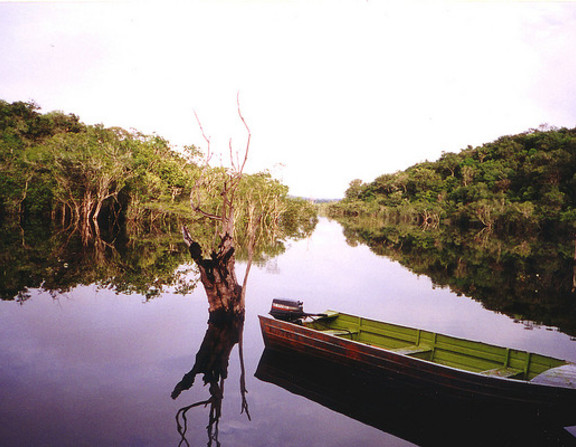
x=88, y=168
x=23, y=189
x=355, y=189
x=218, y=273
x=53, y=165
x=246, y=212
x=448, y=163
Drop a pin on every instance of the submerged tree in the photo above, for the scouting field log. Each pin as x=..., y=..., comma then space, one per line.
x=242, y=209
x=214, y=198
x=218, y=273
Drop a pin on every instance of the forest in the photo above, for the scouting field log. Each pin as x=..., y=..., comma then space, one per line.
x=54, y=166
x=516, y=184
x=82, y=204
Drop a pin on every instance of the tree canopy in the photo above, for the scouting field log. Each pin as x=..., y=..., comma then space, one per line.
x=53, y=165
x=516, y=183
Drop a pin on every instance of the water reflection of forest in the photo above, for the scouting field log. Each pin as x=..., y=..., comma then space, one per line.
x=528, y=278
x=144, y=259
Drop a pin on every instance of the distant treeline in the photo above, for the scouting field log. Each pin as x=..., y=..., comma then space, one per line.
x=54, y=167
x=524, y=182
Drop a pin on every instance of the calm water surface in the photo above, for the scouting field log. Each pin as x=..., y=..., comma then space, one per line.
x=95, y=368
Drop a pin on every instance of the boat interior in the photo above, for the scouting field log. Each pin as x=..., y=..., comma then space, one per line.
x=454, y=352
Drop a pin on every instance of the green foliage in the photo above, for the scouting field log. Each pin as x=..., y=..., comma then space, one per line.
x=263, y=212
x=52, y=164
x=23, y=189
x=528, y=278
x=525, y=182
x=356, y=189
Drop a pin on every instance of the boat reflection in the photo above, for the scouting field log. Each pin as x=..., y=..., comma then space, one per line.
x=212, y=362
x=424, y=421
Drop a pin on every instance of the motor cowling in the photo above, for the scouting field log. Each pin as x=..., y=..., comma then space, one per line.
x=287, y=310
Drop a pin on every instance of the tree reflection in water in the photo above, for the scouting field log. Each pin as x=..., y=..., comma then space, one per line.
x=527, y=277
x=146, y=258
x=135, y=260
x=212, y=361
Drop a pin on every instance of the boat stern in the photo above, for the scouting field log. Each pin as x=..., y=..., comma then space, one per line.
x=562, y=376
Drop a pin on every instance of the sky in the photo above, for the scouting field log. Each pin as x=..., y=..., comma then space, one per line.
x=332, y=91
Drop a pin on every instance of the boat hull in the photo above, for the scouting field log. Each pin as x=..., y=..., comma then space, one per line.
x=424, y=377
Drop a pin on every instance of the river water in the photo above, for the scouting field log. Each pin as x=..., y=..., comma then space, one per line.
x=96, y=368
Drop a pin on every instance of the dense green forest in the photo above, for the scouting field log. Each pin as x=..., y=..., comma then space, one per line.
x=54, y=166
x=518, y=183
x=86, y=204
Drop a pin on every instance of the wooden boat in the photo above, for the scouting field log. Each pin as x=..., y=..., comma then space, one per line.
x=433, y=363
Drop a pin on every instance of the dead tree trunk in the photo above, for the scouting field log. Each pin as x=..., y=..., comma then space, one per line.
x=218, y=276
x=217, y=273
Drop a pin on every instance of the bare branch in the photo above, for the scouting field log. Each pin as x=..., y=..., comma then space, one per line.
x=195, y=192
x=249, y=134
x=204, y=213
x=234, y=165
x=195, y=201
x=183, y=428
x=208, y=152
x=243, y=389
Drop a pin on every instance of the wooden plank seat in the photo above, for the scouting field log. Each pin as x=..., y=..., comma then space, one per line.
x=338, y=332
x=508, y=373
x=412, y=350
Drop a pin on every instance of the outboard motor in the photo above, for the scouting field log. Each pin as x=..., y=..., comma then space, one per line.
x=287, y=310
